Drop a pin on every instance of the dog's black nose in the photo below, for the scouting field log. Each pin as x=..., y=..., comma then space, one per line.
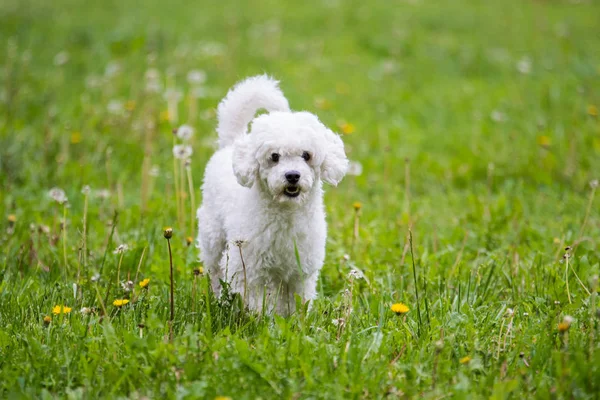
x=292, y=176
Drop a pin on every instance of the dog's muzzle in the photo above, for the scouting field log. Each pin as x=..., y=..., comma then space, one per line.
x=292, y=191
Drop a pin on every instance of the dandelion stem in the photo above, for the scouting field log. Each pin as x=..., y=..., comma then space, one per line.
x=412, y=256
x=172, y=301
x=567, y=279
x=119, y=268
x=588, y=210
x=181, y=195
x=137, y=272
x=176, y=183
x=64, y=229
x=407, y=188
x=244, y=268
x=85, y=211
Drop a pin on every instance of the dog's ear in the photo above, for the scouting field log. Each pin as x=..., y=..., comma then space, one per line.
x=335, y=163
x=245, y=164
x=331, y=147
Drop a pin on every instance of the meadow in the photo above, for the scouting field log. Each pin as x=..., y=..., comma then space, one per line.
x=474, y=135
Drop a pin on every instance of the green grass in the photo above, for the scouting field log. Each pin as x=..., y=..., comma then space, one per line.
x=474, y=123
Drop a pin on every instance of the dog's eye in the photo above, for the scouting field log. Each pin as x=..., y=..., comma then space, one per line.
x=275, y=157
x=306, y=156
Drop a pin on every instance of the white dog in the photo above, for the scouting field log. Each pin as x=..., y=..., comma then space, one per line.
x=262, y=222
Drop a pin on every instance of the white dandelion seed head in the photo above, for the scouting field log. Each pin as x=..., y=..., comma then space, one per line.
x=127, y=286
x=173, y=95
x=510, y=312
x=594, y=183
x=58, y=195
x=498, y=116
x=61, y=58
x=93, y=82
x=182, y=152
x=524, y=65
x=95, y=277
x=85, y=311
x=103, y=193
x=153, y=86
x=568, y=319
x=355, y=274
x=152, y=74
x=185, y=132
x=115, y=107
x=355, y=168
x=154, y=171
x=196, y=77
x=112, y=69
x=122, y=248
x=86, y=190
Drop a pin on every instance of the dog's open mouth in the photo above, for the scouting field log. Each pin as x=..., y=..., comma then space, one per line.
x=292, y=191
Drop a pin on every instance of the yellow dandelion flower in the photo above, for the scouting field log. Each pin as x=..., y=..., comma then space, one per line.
x=346, y=127
x=592, y=110
x=130, y=105
x=563, y=327
x=12, y=218
x=189, y=240
x=61, y=310
x=222, y=398
x=144, y=283
x=120, y=302
x=164, y=116
x=400, y=308
x=465, y=360
x=76, y=137
x=544, y=141
x=47, y=319
x=198, y=271
x=357, y=205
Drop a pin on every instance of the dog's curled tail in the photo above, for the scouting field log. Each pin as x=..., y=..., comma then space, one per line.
x=242, y=102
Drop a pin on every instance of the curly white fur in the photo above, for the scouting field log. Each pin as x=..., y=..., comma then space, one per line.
x=253, y=217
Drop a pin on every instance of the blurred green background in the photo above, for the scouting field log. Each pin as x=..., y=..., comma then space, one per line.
x=475, y=124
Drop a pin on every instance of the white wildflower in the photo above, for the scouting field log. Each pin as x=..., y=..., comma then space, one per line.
x=355, y=274
x=86, y=190
x=85, y=311
x=103, y=193
x=185, y=132
x=122, y=248
x=196, y=77
x=355, y=168
x=173, y=95
x=61, y=58
x=498, y=116
x=58, y=195
x=182, y=152
x=524, y=65
x=112, y=68
x=152, y=74
x=115, y=107
x=127, y=286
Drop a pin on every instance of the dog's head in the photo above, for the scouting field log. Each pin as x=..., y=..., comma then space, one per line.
x=287, y=154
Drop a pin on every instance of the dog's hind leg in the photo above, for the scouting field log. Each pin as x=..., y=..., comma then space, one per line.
x=211, y=241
